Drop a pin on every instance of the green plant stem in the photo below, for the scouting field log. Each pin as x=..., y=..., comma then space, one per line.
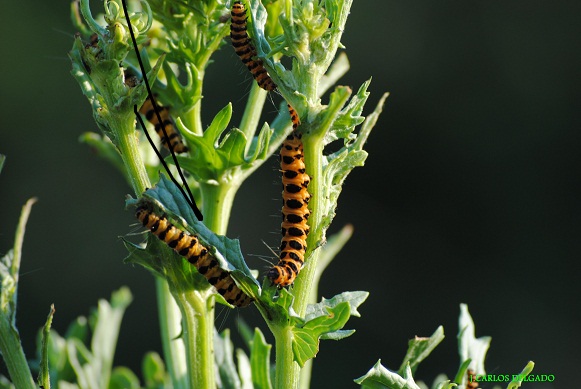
x=171, y=327
x=217, y=204
x=313, y=152
x=10, y=346
x=13, y=355
x=287, y=370
x=193, y=118
x=197, y=307
x=252, y=112
x=198, y=333
x=169, y=314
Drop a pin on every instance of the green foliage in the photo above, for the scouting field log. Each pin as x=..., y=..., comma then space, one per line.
x=470, y=347
x=170, y=201
x=218, y=152
x=419, y=349
x=10, y=347
x=88, y=363
x=43, y=374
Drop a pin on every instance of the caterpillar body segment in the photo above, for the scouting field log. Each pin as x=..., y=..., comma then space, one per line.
x=244, y=48
x=294, y=117
x=471, y=382
x=189, y=247
x=174, y=137
x=295, y=212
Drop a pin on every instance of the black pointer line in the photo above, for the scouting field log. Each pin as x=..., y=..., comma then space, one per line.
x=190, y=200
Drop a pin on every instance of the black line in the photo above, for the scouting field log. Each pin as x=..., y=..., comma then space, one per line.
x=191, y=201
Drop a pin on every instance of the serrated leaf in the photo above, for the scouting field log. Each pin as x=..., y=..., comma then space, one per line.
x=167, y=197
x=260, y=361
x=469, y=346
x=306, y=338
x=258, y=149
x=256, y=22
x=123, y=378
x=337, y=335
x=153, y=370
x=219, y=124
x=218, y=150
x=355, y=299
x=233, y=146
x=379, y=377
x=8, y=286
x=224, y=355
x=350, y=116
x=420, y=348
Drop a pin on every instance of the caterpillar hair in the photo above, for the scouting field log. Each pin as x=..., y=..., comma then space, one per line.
x=244, y=48
x=295, y=212
x=190, y=247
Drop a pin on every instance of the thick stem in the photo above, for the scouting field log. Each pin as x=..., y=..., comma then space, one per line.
x=198, y=334
x=252, y=112
x=13, y=355
x=287, y=370
x=193, y=118
x=170, y=321
x=169, y=314
x=217, y=205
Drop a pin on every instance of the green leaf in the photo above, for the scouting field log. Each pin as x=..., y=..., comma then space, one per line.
x=2, y=160
x=419, y=349
x=218, y=152
x=379, y=377
x=260, y=361
x=516, y=382
x=78, y=329
x=123, y=378
x=445, y=385
x=470, y=347
x=244, y=370
x=43, y=374
x=224, y=354
x=355, y=299
x=338, y=121
x=461, y=376
x=306, y=338
x=153, y=370
x=257, y=17
x=167, y=197
x=5, y=383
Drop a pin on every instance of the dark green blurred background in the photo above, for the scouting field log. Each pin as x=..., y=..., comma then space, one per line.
x=470, y=192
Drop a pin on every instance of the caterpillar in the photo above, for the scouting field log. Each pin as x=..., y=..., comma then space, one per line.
x=471, y=382
x=295, y=212
x=244, y=48
x=174, y=137
x=189, y=247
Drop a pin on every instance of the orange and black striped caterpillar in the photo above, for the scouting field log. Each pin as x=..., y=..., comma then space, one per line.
x=189, y=247
x=471, y=382
x=148, y=111
x=295, y=212
x=174, y=137
x=244, y=48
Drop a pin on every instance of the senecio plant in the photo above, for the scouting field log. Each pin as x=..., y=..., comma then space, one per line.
x=176, y=40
